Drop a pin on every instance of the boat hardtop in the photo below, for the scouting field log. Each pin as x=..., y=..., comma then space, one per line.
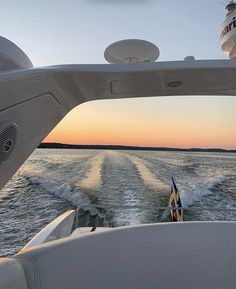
x=184, y=255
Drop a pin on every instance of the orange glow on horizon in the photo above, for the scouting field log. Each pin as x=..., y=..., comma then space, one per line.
x=153, y=122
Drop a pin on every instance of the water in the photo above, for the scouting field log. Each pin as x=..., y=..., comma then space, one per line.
x=53, y=181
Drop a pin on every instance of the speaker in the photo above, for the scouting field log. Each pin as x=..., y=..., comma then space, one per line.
x=8, y=136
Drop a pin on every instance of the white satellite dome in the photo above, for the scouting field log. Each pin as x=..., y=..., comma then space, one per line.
x=228, y=31
x=12, y=57
x=131, y=51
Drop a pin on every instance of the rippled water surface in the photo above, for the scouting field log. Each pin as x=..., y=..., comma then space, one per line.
x=53, y=181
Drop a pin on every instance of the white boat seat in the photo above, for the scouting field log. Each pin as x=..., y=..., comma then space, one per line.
x=11, y=274
x=159, y=256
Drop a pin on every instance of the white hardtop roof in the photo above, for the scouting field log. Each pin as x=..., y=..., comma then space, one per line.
x=33, y=101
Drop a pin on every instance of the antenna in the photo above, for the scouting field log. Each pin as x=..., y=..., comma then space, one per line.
x=230, y=7
x=131, y=51
x=223, y=3
x=228, y=31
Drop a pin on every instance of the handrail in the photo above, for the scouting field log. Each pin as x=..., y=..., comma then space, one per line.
x=190, y=208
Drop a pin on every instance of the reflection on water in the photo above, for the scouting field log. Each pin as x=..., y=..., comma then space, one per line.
x=93, y=178
x=149, y=179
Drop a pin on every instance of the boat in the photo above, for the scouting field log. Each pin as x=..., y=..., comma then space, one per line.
x=196, y=255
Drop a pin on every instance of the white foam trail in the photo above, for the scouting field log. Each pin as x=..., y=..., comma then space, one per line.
x=195, y=191
x=147, y=176
x=93, y=178
x=127, y=218
x=63, y=191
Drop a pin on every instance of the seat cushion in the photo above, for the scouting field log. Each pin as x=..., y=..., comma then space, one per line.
x=11, y=274
x=159, y=256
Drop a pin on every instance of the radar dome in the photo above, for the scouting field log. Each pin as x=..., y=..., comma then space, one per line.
x=12, y=57
x=228, y=31
x=131, y=51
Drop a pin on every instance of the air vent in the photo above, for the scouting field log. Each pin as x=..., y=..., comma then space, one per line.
x=8, y=134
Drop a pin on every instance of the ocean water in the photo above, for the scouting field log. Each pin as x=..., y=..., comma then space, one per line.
x=123, y=187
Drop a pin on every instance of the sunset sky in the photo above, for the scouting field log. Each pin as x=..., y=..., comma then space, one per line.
x=78, y=31
x=163, y=121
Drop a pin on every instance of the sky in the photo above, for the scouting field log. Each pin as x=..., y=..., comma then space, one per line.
x=78, y=31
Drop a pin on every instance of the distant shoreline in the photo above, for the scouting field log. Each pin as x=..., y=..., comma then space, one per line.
x=46, y=145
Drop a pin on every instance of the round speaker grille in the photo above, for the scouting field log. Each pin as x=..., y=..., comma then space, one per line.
x=8, y=134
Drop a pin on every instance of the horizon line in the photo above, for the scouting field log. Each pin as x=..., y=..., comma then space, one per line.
x=137, y=146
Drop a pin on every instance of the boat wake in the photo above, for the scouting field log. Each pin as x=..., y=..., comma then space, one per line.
x=63, y=191
x=149, y=179
x=93, y=178
x=194, y=191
